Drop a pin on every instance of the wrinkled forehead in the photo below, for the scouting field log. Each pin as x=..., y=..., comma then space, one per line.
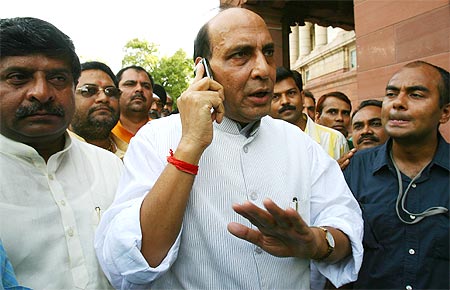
x=367, y=113
x=240, y=25
x=422, y=75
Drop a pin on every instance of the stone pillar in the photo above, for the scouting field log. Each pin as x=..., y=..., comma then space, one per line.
x=320, y=34
x=293, y=44
x=305, y=39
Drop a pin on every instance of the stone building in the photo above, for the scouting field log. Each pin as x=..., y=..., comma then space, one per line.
x=388, y=34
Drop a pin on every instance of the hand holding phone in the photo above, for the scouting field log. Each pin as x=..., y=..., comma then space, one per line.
x=207, y=69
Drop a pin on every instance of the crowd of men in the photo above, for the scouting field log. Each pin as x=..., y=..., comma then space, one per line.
x=251, y=184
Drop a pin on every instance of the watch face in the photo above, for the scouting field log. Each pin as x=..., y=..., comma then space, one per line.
x=330, y=239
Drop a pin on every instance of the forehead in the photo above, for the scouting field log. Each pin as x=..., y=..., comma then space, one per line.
x=422, y=75
x=93, y=76
x=284, y=85
x=135, y=75
x=34, y=62
x=246, y=29
x=333, y=102
x=367, y=113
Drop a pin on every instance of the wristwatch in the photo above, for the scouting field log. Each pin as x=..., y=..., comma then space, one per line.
x=330, y=242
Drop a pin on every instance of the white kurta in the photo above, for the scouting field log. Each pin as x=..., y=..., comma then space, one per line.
x=273, y=160
x=49, y=212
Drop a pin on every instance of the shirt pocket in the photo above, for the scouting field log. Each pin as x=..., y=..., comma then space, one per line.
x=378, y=224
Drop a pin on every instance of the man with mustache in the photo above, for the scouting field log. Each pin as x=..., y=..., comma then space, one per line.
x=53, y=187
x=135, y=102
x=333, y=110
x=222, y=195
x=366, y=125
x=287, y=104
x=403, y=185
x=97, y=107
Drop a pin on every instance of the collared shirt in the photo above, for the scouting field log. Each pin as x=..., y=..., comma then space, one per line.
x=122, y=133
x=399, y=255
x=267, y=159
x=120, y=145
x=332, y=141
x=49, y=212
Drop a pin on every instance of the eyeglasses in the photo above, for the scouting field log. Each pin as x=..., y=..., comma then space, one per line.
x=88, y=91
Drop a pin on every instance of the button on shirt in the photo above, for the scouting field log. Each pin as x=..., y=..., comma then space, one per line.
x=399, y=255
x=47, y=212
x=267, y=159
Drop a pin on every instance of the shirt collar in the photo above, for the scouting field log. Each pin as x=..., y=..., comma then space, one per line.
x=230, y=126
x=441, y=157
x=26, y=152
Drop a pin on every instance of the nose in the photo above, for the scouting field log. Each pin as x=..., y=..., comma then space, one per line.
x=340, y=116
x=40, y=90
x=367, y=130
x=101, y=97
x=284, y=99
x=262, y=68
x=400, y=101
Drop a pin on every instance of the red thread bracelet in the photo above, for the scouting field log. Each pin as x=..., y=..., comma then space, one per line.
x=181, y=165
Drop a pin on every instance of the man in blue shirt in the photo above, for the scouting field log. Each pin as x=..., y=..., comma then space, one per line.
x=403, y=186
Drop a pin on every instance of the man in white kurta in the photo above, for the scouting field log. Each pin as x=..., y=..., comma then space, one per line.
x=53, y=189
x=271, y=159
x=49, y=212
x=243, y=219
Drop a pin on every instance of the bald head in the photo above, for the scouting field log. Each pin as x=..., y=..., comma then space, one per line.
x=241, y=17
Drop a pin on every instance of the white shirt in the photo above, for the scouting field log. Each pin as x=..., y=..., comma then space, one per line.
x=49, y=212
x=332, y=141
x=275, y=160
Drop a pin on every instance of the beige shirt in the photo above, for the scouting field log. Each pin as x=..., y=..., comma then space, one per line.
x=49, y=212
x=332, y=141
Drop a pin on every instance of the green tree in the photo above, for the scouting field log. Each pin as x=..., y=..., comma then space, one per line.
x=141, y=53
x=174, y=73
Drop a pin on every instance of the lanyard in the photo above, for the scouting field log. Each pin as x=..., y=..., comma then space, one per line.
x=401, y=198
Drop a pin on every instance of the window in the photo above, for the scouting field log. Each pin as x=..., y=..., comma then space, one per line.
x=353, y=63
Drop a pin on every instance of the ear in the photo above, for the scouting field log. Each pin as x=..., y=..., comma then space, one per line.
x=317, y=117
x=197, y=60
x=445, y=114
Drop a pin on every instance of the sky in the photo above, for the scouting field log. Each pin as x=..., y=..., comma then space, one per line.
x=101, y=28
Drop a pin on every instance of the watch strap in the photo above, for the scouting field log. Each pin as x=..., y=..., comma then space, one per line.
x=330, y=247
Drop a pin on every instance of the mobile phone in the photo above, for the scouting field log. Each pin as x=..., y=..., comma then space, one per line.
x=208, y=71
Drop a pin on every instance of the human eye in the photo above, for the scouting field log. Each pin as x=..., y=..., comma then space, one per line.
x=292, y=93
x=390, y=93
x=58, y=79
x=18, y=78
x=346, y=113
x=416, y=95
x=269, y=52
x=275, y=97
x=129, y=84
x=376, y=123
x=147, y=86
x=357, y=126
x=332, y=111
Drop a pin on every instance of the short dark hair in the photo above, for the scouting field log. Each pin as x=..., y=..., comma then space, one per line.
x=443, y=86
x=367, y=103
x=137, y=68
x=309, y=95
x=202, y=42
x=283, y=73
x=338, y=95
x=160, y=92
x=202, y=45
x=96, y=65
x=22, y=36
